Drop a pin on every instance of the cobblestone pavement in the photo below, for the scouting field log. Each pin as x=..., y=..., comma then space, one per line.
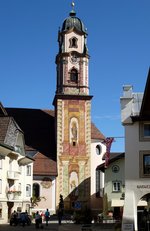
x=55, y=227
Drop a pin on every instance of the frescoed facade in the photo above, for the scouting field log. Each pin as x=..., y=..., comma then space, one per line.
x=73, y=115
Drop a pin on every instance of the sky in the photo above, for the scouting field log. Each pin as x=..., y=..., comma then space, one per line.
x=118, y=43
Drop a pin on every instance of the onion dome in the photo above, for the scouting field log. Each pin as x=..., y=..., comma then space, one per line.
x=73, y=22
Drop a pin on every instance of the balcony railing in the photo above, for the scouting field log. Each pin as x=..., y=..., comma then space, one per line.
x=13, y=195
x=13, y=175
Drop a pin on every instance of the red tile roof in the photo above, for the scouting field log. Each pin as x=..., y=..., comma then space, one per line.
x=95, y=133
x=44, y=165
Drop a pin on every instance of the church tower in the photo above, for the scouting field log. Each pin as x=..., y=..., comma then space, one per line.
x=73, y=114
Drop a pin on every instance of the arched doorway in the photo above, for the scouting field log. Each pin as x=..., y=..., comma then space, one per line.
x=36, y=190
x=10, y=207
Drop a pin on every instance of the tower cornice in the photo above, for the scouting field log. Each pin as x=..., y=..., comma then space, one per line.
x=71, y=97
x=67, y=54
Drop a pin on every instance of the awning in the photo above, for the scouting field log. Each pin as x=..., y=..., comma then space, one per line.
x=120, y=203
x=142, y=203
x=25, y=160
x=117, y=203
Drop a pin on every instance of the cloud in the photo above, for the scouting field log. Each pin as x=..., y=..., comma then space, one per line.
x=107, y=117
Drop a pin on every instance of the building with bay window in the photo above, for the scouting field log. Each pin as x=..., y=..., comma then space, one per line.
x=135, y=117
x=16, y=169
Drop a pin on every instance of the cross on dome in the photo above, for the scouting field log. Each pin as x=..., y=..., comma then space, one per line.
x=72, y=4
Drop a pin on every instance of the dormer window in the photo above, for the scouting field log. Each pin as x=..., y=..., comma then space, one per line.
x=74, y=75
x=73, y=42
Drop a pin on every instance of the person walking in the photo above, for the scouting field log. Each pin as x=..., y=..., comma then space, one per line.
x=37, y=220
x=60, y=214
x=15, y=215
x=47, y=216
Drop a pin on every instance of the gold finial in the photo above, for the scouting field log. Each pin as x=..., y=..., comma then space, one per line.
x=72, y=4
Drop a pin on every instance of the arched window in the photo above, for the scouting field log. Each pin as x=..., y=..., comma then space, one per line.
x=73, y=42
x=74, y=75
x=98, y=149
x=36, y=190
x=28, y=190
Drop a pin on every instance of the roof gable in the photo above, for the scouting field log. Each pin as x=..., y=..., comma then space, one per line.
x=95, y=133
x=145, y=108
x=44, y=165
x=2, y=110
x=113, y=157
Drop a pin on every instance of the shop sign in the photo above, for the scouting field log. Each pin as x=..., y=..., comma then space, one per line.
x=147, y=186
x=127, y=227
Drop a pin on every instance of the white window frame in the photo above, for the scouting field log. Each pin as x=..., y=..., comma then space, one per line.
x=142, y=154
x=146, y=128
x=116, y=186
x=28, y=190
x=28, y=168
x=19, y=187
x=143, y=136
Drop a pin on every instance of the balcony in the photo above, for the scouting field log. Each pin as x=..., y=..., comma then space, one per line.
x=13, y=175
x=13, y=195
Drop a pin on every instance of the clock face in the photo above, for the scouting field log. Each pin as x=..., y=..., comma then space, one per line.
x=74, y=59
x=115, y=168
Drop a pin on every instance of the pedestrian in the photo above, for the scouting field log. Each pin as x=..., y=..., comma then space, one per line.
x=47, y=216
x=15, y=215
x=23, y=218
x=37, y=220
x=60, y=214
x=42, y=215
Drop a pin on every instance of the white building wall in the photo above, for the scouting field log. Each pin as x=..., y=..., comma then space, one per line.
x=47, y=197
x=17, y=177
x=132, y=173
x=110, y=177
x=96, y=160
x=135, y=186
x=80, y=42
